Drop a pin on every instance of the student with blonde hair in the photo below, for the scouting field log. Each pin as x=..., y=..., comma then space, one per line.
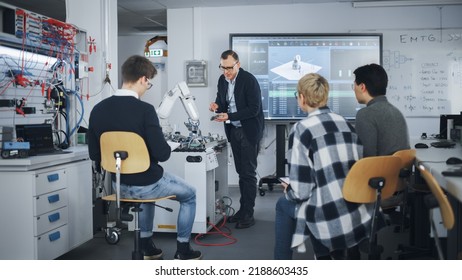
x=322, y=149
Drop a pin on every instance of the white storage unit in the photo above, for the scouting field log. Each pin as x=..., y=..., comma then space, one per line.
x=210, y=177
x=46, y=207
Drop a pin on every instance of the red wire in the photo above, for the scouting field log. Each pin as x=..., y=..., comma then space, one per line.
x=217, y=231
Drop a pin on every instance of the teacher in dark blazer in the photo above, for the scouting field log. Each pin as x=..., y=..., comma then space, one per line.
x=239, y=106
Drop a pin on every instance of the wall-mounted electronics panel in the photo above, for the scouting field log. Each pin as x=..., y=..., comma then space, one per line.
x=42, y=63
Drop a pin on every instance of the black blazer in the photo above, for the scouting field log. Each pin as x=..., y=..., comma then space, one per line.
x=247, y=95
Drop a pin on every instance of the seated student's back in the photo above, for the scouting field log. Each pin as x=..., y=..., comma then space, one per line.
x=381, y=127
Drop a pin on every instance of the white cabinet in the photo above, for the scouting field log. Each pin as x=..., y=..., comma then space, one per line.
x=207, y=172
x=80, y=203
x=44, y=212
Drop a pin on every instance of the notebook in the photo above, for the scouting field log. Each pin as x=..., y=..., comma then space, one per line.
x=39, y=136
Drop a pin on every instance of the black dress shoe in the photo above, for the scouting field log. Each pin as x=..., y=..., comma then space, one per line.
x=245, y=222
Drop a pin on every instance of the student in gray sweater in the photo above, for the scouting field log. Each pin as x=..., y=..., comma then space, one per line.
x=381, y=127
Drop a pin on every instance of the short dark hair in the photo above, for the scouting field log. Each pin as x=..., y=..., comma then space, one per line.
x=137, y=66
x=374, y=77
x=232, y=53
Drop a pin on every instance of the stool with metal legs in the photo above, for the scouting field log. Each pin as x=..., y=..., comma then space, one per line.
x=126, y=153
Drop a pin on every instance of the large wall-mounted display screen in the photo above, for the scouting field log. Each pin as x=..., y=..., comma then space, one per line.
x=278, y=61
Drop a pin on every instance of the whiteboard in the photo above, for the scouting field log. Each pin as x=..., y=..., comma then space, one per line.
x=424, y=71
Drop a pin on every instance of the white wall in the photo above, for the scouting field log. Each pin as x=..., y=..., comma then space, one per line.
x=100, y=23
x=203, y=33
x=131, y=45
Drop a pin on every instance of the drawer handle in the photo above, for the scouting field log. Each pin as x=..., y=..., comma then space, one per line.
x=53, y=217
x=53, y=198
x=54, y=236
x=53, y=177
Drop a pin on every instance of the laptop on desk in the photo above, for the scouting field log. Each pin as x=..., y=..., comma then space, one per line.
x=40, y=138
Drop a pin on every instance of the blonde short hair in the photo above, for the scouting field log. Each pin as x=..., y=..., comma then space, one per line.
x=315, y=89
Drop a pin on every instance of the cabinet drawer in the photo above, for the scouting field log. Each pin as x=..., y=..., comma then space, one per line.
x=50, y=220
x=50, y=181
x=50, y=201
x=53, y=244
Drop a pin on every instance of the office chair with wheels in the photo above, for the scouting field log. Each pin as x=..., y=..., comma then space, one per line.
x=370, y=180
x=125, y=152
x=437, y=198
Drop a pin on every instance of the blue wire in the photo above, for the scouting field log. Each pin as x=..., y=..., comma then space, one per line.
x=81, y=113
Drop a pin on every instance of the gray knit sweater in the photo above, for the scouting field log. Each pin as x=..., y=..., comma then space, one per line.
x=381, y=127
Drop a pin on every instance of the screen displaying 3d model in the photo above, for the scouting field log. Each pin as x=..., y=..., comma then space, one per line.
x=278, y=61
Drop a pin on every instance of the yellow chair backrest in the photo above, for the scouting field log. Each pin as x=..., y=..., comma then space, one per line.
x=356, y=186
x=445, y=207
x=407, y=160
x=138, y=156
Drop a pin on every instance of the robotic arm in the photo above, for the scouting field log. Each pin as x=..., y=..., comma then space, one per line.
x=182, y=92
x=179, y=91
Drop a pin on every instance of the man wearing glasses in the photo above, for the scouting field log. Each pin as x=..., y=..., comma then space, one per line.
x=238, y=105
x=124, y=111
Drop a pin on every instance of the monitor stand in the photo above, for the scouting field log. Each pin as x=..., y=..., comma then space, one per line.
x=271, y=180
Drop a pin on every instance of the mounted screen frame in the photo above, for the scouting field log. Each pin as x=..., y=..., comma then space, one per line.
x=278, y=61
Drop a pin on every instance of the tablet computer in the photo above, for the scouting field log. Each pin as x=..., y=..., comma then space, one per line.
x=284, y=180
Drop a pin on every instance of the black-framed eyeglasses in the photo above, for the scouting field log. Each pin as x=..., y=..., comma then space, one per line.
x=149, y=84
x=223, y=68
x=296, y=94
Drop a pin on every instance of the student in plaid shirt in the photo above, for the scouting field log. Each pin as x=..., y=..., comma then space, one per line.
x=322, y=149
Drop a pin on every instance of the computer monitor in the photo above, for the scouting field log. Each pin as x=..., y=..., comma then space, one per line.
x=39, y=136
x=278, y=61
x=456, y=120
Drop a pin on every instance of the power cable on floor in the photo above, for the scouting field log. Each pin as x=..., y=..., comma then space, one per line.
x=223, y=206
x=217, y=231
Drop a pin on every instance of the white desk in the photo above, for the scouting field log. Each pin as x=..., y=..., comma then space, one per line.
x=434, y=159
x=76, y=153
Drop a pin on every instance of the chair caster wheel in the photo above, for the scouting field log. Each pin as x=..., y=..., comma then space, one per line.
x=112, y=236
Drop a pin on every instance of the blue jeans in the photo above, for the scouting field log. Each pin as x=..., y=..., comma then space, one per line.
x=284, y=229
x=169, y=184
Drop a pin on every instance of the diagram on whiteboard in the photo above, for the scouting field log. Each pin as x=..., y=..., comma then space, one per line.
x=394, y=59
x=423, y=66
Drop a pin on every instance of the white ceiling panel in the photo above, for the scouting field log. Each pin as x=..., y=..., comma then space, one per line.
x=147, y=16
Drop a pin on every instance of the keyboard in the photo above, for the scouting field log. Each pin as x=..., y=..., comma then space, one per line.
x=443, y=144
x=453, y=172
x=52, y=152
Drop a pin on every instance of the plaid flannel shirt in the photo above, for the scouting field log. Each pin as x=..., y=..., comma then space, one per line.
x=322, y=149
